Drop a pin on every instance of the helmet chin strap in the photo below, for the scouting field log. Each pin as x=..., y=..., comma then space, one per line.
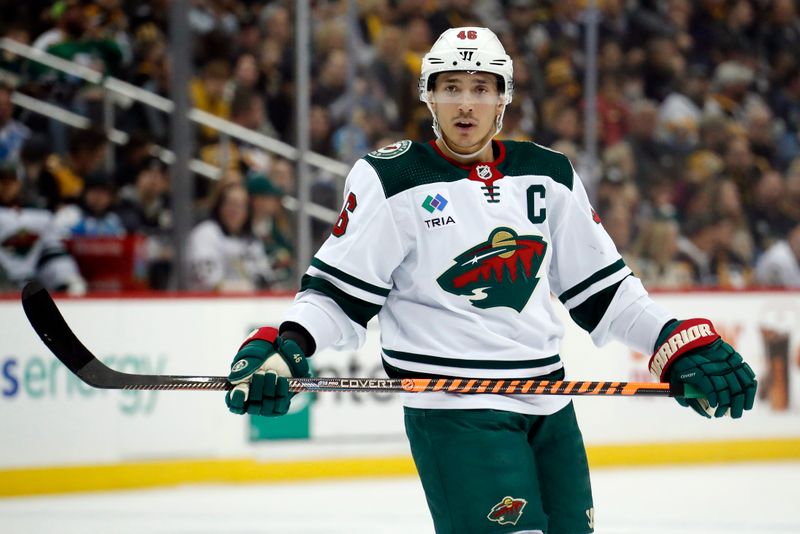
x=438, y=131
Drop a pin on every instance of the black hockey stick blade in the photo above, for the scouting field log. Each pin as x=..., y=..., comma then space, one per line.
x=48, y=322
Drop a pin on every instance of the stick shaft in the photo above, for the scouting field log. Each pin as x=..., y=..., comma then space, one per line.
x=501, y=386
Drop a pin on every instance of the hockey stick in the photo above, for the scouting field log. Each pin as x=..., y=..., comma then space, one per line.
x=48, y=322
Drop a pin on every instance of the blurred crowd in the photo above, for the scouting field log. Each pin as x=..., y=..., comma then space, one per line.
x=697, y=174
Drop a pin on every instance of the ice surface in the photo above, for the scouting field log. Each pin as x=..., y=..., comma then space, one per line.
x=731, y=499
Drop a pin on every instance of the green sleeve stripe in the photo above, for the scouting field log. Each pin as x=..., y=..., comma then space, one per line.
x=472, y=364
x=349, y=279
x=359, y=311
x=596, y=277
x=589, y=313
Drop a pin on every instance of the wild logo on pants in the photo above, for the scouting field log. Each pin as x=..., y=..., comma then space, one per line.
x=508, y=511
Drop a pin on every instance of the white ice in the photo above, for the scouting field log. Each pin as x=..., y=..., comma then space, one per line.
x=731, y=499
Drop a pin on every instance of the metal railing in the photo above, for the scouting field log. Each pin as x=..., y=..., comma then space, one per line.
x=117, y=91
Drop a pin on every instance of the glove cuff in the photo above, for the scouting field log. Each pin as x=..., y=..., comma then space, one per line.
x=687, y=335
x=265, y=333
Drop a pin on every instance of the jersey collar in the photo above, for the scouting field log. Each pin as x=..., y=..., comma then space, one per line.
x=501, y=148
x=486, y=173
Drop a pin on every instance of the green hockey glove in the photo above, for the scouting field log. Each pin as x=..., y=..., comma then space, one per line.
x=260, y=373
x=691, y=352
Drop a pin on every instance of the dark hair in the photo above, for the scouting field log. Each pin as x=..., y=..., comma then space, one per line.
x=86, y=140
x=242, y=101
x=219, y=200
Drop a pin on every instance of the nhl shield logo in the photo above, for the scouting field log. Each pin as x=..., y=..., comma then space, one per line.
x=508, y=511
x=484, y=172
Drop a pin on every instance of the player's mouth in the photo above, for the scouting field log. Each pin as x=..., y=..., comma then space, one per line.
x=465, y=126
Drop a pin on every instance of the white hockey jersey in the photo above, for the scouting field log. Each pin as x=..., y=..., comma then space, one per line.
x=31, y=248
x=459, y=263
x=217, y=261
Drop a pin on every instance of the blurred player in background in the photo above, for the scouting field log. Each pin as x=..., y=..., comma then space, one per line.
x=456, y=245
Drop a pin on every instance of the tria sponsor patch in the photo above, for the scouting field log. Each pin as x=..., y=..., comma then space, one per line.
x=508, y=511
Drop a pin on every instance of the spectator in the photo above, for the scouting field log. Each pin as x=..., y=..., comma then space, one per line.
x=680, y=114
x=69, y=20
x=13, y=134
x=282, y=174
x=276, y=73
x=705, y=252
x=785, y=103
x=780, y=264
x=789, y=206
x=768, y=222
x=132, y=156
x=245, y=75
x=618, y=222
x=144, y=205
x=390, y=78
x=271, y=225
x=612, y=110
x=32, y=160
x=63, y=178
x=738, y=33
x=760, y=127
x=14, y=68
x=731, y=94
x=652, y=156
x=144, y=208
x=208, y=94
x=222, y=252
x=94, y=215
x=653, y=255
x=31, y=245
x=781, y=31
x=662, y=66
x=247, y=110
x=744, y=168
x=320, y=131
x=155, y=78
x=77, y=38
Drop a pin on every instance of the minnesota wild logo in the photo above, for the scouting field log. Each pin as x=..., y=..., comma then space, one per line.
x=392, y=151
x=498, y=272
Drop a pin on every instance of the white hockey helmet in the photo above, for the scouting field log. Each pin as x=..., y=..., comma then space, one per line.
x=467, y=49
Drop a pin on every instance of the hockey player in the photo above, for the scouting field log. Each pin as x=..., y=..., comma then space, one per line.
x=457, y=245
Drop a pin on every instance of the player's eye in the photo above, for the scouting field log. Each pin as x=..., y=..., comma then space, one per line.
x=451, y=89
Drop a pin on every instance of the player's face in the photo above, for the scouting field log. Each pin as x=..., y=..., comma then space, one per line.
x=466, y=105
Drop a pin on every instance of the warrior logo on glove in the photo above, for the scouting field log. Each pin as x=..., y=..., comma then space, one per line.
x=692, y=353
